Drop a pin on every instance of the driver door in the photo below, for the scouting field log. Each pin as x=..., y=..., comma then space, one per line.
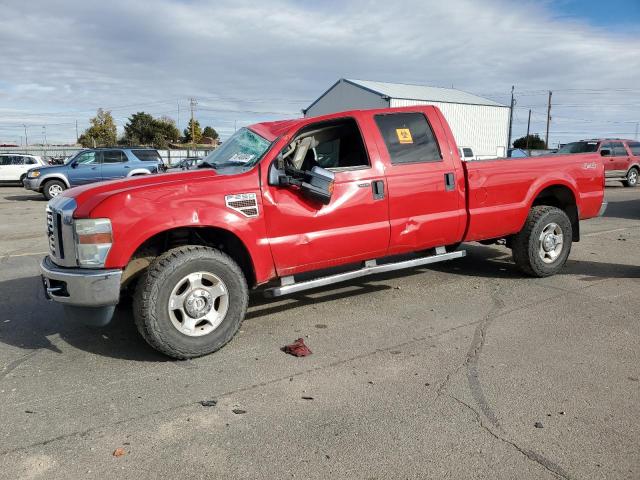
x=85, y=168
x=354, y=226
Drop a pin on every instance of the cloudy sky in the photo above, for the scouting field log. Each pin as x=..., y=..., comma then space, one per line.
x=252, y=61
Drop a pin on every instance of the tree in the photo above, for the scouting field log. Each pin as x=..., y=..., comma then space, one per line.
x=101, y=133
x=143, y=129
x=535, y=142
x=197, y=132
x=210, y=132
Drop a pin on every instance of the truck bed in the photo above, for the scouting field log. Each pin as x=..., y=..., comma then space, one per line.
x=500, y=191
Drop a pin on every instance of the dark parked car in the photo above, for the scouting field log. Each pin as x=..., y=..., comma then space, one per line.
x=92, y=165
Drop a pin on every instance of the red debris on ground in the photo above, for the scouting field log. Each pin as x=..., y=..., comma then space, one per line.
x=297, y=349
x=119, y=452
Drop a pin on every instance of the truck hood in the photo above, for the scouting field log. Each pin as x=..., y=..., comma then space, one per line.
x=49, y=168
x=87, y=197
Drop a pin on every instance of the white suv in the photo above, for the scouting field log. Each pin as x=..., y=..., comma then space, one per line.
x=14, y=166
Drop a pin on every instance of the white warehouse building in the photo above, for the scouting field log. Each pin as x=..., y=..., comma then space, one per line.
x=476, y=122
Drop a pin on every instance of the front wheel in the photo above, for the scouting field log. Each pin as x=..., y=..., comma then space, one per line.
x=632, y=178
x=541, y=248
x=190, y=302
x=53, y=188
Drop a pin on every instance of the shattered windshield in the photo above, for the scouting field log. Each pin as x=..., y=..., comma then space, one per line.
x=243, y=149
x=579, y=147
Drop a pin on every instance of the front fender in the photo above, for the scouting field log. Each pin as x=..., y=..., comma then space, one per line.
x=52, y=176
x=136, y=219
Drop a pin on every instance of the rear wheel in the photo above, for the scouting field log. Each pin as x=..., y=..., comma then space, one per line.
x=541, y=248
x=632, y=178
x=190, y=302
x=53, y=188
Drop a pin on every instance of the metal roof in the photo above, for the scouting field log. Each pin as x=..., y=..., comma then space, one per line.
x=422, y=92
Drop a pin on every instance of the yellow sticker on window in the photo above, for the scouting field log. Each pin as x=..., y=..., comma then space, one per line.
x=404, y=135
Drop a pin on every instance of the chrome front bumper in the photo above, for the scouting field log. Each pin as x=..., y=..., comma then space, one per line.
x=80, y=286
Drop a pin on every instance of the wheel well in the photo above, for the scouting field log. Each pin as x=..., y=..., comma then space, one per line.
x=561, y=197
x=207, y=236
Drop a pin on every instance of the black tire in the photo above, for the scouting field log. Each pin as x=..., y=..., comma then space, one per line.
x=526, y=244
x=632, y=178
x=49, y=185
x=151, y=300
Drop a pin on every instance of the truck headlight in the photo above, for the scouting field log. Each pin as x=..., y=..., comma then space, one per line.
x=93, y=241
x=33, y=174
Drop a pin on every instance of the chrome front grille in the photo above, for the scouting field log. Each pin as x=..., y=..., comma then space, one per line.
x=60, y=231
x=51, y=233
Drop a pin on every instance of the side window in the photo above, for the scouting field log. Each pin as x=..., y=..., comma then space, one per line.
x=467, y=152
x=607, y=146
x=335, y=144
x=619, y=150
x=30, y=161
x=87, y=158
x=113, y=156
x=147, y=155
x=634, y=147
x=18, y=160
x=409, y=138
x=5, y=160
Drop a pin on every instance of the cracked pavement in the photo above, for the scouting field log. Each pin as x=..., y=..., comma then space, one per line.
x=437, y=372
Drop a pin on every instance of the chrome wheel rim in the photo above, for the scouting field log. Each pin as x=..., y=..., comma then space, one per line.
x=55, y=190
x=633, y=177
x=198, y=304
x=550, y=243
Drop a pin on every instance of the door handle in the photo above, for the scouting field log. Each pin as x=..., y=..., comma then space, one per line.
x=378, y=189
x=449, y=182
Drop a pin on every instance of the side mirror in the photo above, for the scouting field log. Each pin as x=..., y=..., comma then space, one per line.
x=316, y=185
x=74, y=164
x=319, y=185
x=605, y=152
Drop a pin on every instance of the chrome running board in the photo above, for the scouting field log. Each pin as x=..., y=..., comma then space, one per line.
x=370, y=267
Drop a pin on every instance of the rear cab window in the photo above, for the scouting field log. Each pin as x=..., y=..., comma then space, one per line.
x=408, y=137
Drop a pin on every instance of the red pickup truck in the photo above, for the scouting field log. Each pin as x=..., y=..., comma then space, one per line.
x=291, y=205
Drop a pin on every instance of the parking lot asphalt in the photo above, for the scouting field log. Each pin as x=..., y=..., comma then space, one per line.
x=465, y=369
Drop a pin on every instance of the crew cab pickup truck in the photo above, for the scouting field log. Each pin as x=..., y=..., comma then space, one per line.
x=89, y=166
x=292, y=205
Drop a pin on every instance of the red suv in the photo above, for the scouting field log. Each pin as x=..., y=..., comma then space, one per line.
x=622, y=157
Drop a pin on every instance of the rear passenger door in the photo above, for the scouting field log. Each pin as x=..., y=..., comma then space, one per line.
x=620, y=158
x=425, y=183
x=114, y=164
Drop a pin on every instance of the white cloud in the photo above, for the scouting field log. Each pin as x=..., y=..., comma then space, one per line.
x=277, y=56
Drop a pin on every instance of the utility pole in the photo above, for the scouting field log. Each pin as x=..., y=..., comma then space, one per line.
x=528, y=127
x=546, y=137
x=192, y=104
x=178, y=114
x=510, y=118
x=637, y=124
x=44, y=138
x=26, y=138
x=77, y=136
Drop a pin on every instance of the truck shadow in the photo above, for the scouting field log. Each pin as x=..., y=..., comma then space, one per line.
x=496, y=262
x=628, y=209
x=30, y=322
